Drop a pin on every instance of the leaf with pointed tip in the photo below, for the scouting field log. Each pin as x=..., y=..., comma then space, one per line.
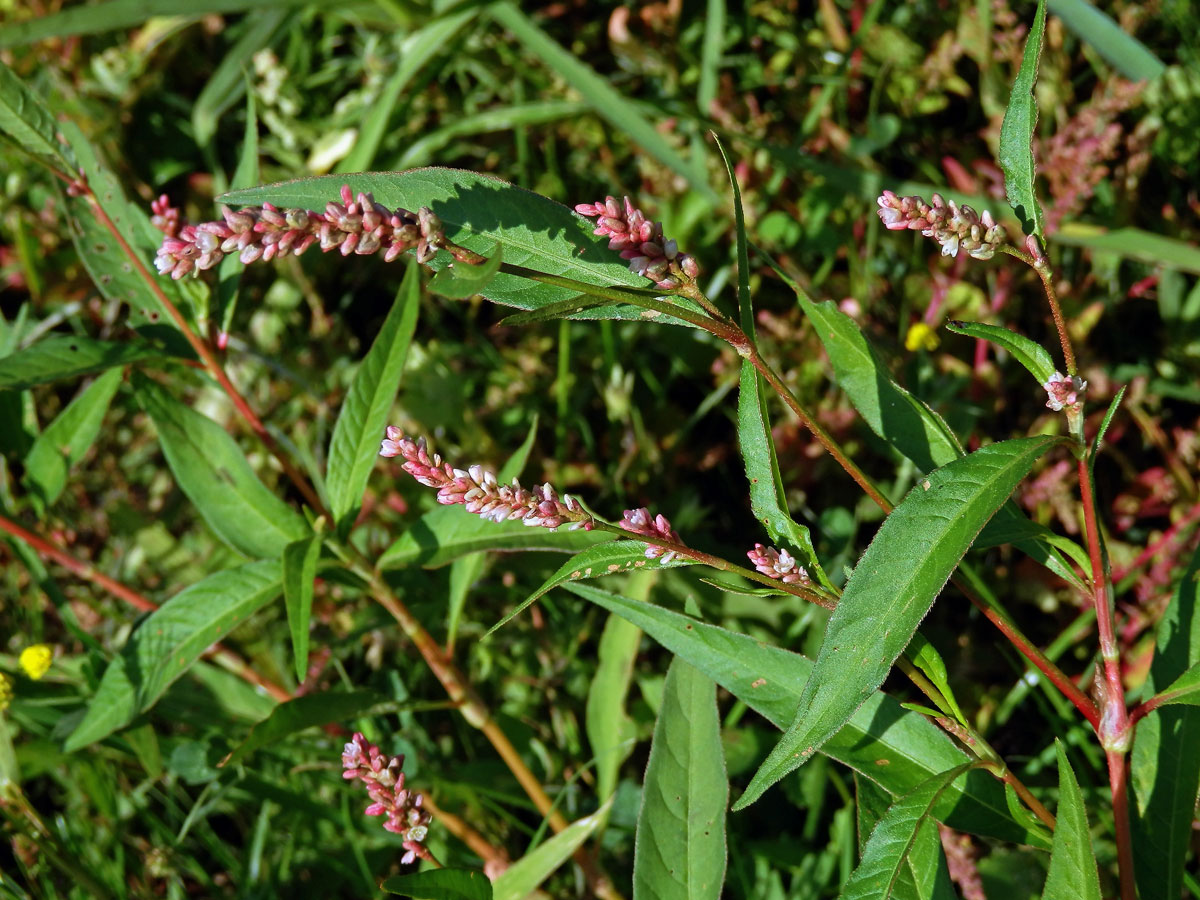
x=25, y=120
x=611, y=558
x=60, y=356
x=354, y=446
x=527, y=873
x=1073, y=874
x=299, y=570
x=886, y=854
x=68, y=437
x=767, y=497
x=170, y=640
x=1028, y=353
x=917, y=431
x=892, y=588
x=1015, y=154
x=1165, y=762
x=895, y=749
x=460, y=280
x=212, y=471
x=679, y=851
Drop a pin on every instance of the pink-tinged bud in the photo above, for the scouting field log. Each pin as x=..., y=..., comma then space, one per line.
x=347, y=194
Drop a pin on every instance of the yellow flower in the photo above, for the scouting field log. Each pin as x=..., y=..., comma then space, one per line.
x=5, y=691
x=35, y=660
x=920, y=335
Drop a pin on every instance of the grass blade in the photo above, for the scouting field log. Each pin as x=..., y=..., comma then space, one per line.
x=1124, y=52
x=606, y=101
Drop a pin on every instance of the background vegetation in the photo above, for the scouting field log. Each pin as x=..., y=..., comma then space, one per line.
x=821, y=108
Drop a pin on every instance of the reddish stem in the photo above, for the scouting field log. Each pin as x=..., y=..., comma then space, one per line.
x=211, y=363
x=1120, y=794
x=47, y=550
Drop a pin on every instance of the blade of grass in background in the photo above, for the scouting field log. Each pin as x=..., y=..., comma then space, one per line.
x=416, y=51
x=601, y=96
x=100, y=17
x=1127, y=54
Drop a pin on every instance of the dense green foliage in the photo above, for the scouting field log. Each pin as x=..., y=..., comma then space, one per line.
x=144, y=762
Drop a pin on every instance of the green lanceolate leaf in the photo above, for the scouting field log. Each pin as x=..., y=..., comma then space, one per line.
x=925, y=657
x=460, y=280
x=170, y=640
x=29, y=124
x=441, y=884
x=920, y=433
x=1028, y=353
x=1073, y=874
x=896, y=750
x=480, y=212
x=354, y=446
x=68, y=437
x=891, y=412
x=1165, y=762
x=680, y=851
x=124, y=275
x=885, y=857
x=892, y=588
x=526, y=874
x=299, y=570
x=767, y=498
x=611, y=558
x=1183, y=690
x=212, y=471
x=60, y=356
x=1016, y=134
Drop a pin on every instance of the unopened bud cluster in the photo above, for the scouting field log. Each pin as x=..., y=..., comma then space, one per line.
x=357, y=225
x=954, y=227
x=477, y=489
x=778, y=564
x=639, y=521
x=384, y=779
x=641, y=241
x=1064, y=392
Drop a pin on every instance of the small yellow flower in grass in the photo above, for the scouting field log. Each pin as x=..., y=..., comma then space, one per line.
x=35, y=660
x=5, y=691
x=921, y=336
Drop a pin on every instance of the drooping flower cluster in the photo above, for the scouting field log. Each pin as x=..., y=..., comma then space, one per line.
x=476, y=488
x=357, y=225
x=384, y=778
x=641, y=241
x=639, y=521
x=954, y=227
x=1064, y=392
x=778, y=564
